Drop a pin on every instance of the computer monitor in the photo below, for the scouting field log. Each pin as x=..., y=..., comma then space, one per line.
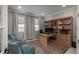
x=49, y=29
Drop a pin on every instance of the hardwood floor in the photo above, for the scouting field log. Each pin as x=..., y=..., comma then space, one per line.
x=71, y=51
x=52, y=49
x=38, y=47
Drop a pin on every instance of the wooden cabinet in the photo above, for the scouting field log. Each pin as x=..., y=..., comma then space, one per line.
x=60, y=24
x=65, y=24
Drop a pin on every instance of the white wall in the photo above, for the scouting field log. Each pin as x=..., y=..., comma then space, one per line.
x=4, y=41
x=77, y=29
x=64, y=13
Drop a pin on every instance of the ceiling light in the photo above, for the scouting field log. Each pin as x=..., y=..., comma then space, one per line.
x=63, y=5
x=43, y=14
x=19, y=7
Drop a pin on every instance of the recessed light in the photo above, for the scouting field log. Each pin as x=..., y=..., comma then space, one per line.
x=43, y=14
x=19, y=7
x=63, y=5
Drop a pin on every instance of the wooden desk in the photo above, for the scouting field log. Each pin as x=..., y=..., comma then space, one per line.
x=44, y=39
x=62, y=39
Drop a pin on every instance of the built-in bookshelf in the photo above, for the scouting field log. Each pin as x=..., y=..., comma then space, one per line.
x=65, y=24
x=60, y=24
x=51, y=24
x=46, y=24
x=54, y=24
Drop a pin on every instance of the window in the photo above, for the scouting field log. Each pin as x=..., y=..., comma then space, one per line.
x=20, y=27
x=20, y=22
x=36, y=25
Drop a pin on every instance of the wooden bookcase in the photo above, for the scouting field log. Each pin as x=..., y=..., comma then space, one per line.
x=47, y=24
x=54, y=24
x=60, y=24
x=65, y=24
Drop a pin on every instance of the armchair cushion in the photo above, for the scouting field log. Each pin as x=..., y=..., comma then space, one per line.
x=28, y=49
x=12, y=38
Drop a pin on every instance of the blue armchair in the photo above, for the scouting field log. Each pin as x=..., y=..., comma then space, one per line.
x=12, y=38
x=18, y=47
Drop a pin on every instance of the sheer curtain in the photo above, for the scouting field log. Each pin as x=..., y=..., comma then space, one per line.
x=11, y=22
x=29, y=26
x=14, y=23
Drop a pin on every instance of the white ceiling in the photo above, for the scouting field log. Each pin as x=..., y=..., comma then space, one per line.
x=39, y=9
